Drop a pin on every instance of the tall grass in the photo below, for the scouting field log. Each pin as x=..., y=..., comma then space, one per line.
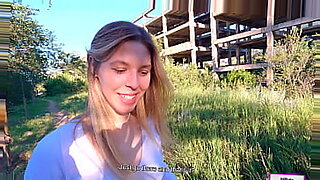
x=239, y=133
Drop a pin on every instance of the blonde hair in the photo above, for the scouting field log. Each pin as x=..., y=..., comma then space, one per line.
x=152, y=105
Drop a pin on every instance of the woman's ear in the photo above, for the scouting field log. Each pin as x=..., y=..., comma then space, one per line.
x=90, y=60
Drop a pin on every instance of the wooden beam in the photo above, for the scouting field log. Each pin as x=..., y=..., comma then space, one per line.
x=183, y=26
x=178, y=37
x=178, y=48
x=177, y=17
x=240, y=36
x=294, y=22
x=243, y=66
x=202, y=48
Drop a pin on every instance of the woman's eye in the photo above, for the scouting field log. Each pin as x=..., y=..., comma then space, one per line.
x=144, y=72
x=119, y=70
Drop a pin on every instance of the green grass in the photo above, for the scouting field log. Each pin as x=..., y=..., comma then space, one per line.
x=239, y=134
x=17, y=112
x=221, y=133
x=72, y=103
x=27, y=131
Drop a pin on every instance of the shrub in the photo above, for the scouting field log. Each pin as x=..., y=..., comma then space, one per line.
x=14, y=89
x=188, y=75
x=64, y=83
x=292, y=64
x=239, y=78
x=185, y=75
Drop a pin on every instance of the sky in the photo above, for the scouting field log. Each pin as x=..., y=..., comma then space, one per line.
x=75, y=22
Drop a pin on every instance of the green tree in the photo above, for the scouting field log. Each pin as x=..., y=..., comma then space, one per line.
x=71, y=64
x=32, y=49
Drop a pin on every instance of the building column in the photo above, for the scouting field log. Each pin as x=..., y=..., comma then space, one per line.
x=214, y=29
x=229, y=47
x=270, y=38
x=238, y=55
x=165, y=30
x=192, y=33
x=238, y=47
x=249, y=58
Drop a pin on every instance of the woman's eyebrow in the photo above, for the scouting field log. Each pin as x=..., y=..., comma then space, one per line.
x=119, y=62
x=126, y=64
x=146, y=66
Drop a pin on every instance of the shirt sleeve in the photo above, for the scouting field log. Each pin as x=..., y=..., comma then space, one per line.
x=45, y=161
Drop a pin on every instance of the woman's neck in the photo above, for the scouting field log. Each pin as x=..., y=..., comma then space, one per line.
x=120, y=120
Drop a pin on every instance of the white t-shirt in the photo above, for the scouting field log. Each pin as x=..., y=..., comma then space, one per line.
x=61, y=155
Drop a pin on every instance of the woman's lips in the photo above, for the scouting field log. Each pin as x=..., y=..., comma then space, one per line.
x=128, y=98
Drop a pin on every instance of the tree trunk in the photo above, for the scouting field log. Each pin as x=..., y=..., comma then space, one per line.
x=26, y=113
x=33, y=97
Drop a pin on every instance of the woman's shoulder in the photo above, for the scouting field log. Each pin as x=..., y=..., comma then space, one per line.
x=62, y=133
x=50, y=150
x=154, y=132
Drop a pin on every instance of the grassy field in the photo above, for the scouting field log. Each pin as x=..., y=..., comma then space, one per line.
x=239, y=134
x=27, y=131
x=74, y=104
x=221, y=133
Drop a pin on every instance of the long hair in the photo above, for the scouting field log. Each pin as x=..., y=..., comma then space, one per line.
x=152, y=105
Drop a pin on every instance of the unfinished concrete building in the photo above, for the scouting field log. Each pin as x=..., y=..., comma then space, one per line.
x=228, y=34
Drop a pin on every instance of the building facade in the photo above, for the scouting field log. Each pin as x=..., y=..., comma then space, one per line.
x=228, y=34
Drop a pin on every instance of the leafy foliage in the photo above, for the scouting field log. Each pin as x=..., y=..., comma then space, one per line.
x=64, y=83
x=32, y=45
x=239, y=78
x=15, y=91
x=71, y=64
x=186, y=76
x=35, y=55
x=292, y=64
x=32, y=51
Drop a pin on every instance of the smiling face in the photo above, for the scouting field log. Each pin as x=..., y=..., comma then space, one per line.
x=125, y=76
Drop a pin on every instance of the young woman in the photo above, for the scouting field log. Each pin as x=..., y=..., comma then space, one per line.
x=124, y=127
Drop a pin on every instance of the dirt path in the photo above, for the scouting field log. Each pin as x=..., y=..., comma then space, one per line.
x=53, y=106
x=60, y=117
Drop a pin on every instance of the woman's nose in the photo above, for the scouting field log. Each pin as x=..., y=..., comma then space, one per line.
x=133, y=80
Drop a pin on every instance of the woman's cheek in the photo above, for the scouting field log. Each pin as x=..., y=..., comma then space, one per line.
x=145, y=83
